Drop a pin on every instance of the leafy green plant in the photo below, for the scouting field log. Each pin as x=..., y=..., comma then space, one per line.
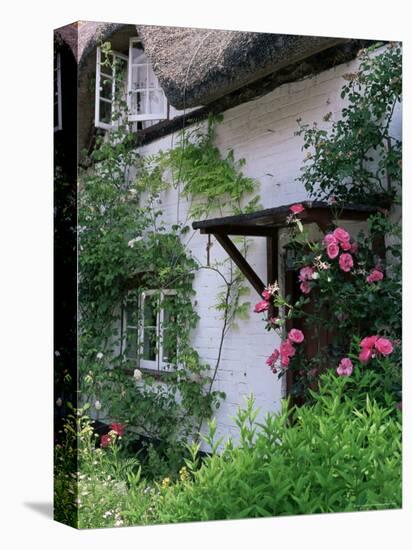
x=333, y=457
x=356, y=158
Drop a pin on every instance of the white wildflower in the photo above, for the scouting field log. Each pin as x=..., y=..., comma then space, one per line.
x=137, y=375
x=97, y=405
x=99, y=356
x=132, y=242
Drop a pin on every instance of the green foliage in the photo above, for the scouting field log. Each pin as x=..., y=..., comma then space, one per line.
x=333, y=457
x=356, y=159
x=125, y=248
x=210, y=181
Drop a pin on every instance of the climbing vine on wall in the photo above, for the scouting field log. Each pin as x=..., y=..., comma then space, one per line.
x=127, y=248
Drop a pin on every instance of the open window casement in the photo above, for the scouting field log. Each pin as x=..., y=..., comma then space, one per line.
x=57, y=92
x=110, y=87
x=149, y=334
x=146, y=99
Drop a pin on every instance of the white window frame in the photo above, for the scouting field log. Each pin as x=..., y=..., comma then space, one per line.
x=158, y=364
x=145, y=116
x=97, y=122
x=58, y=92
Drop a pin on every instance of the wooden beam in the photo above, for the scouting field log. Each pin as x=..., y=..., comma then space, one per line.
x=272, y=251
x=241, y=262
x=241, y=229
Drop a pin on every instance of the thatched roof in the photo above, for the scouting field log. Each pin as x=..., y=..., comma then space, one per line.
x=197, y=66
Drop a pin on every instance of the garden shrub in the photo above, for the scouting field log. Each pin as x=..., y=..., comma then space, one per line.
x=333, y=457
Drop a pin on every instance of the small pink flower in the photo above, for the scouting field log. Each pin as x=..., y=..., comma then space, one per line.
x=287, y=349
x=105, y=440
x=384, y=346
x=345, y=245
x=306, y=273
x=346, y=262
x=365, y=355
x=341, y=235
x=266, y=295
x=297, y=208
x=296, y=336
x=330, y=238
x=332, y=250
x=117, y=428
x=305, y=287
x=345, y=367
x=284, y=361
x=271, y=360
x=374, y=276
x=368, y=342
x=261, y=306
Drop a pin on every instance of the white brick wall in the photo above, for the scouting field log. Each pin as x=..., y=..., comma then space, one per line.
x=261, y=132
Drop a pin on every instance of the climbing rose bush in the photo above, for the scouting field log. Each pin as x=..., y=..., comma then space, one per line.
x=347, y=293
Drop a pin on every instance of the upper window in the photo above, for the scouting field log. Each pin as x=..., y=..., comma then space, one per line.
x=150, y=334
x=57, y=92
x=139, y=88
x=110, y=75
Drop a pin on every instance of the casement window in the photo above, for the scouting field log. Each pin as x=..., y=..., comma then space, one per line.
x=57, y=93
x=110, y=71
x=146, y=101
x=149, y=329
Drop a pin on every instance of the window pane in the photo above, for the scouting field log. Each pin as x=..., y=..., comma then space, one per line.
x=149, y=344
x=153, y=81
x=106, y=112
x=156, y=102
x=138, y=55
x=138, y=103
x=132, y=315
x=131, y=343
x=150, y=311
x=169, y=329
x=106, y=87
x=139, y=77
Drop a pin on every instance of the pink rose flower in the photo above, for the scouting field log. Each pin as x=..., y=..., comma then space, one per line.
x=341, y=235
x=271, y=360
x=384, y=346
x=346, y=262
x=266, y=295
x=305, y=287
x=105, y=440
x=365, y=355
x=306, y=273
x=368, y=342
x=329, y=238
x=261, y=306
x=296, y=336
x=346, y=246
x=284, y=361
x=287, y=349
x=332, y=250
x=374, y=276
x=297, y=208
x=345, y=367
x=117, y=428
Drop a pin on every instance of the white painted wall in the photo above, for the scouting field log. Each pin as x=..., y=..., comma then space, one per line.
x=261, y=132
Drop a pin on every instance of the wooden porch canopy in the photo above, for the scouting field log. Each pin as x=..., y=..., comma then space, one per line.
x=266, y=223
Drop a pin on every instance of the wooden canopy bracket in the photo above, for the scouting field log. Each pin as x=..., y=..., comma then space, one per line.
x=241, y=262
